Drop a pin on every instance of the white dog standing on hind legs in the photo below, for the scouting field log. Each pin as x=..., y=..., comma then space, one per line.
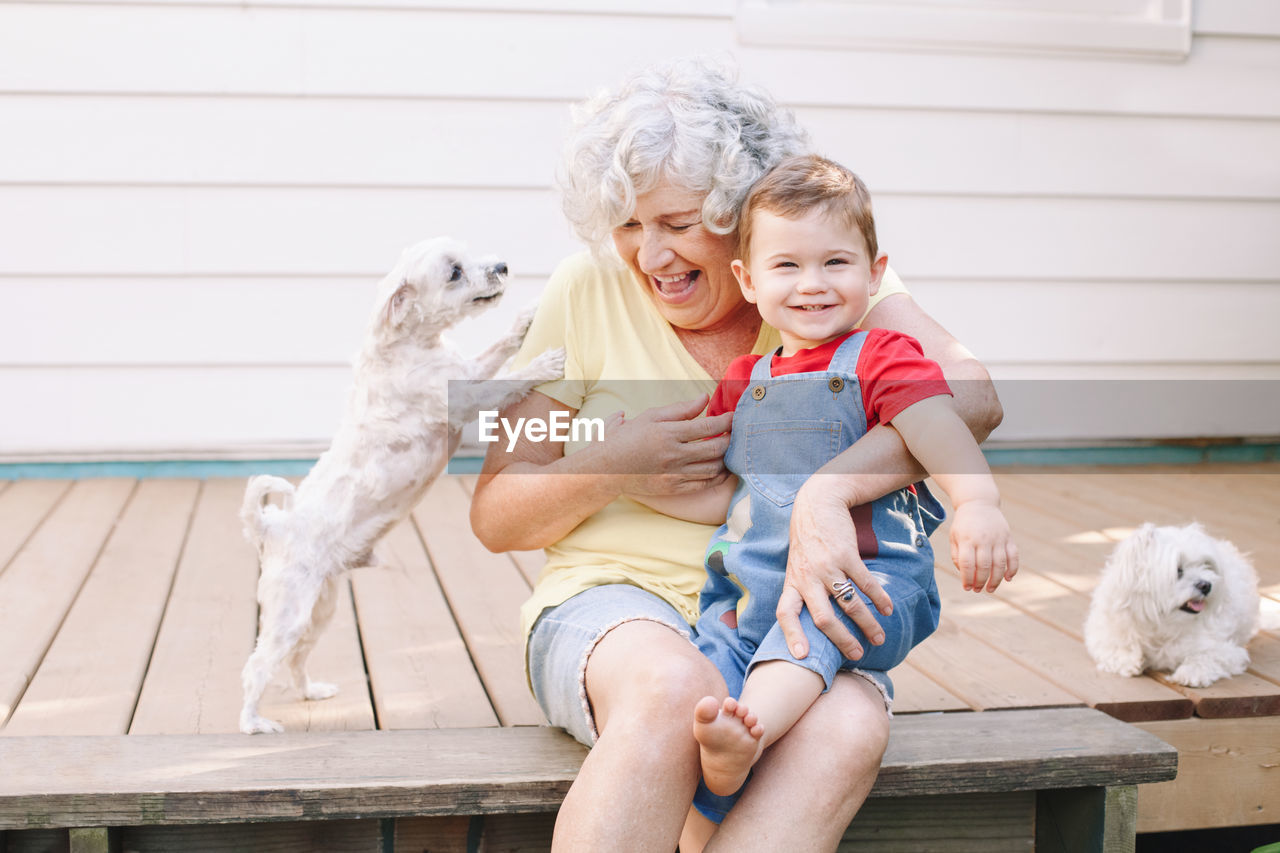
x=1174, y=599
x=396, y=437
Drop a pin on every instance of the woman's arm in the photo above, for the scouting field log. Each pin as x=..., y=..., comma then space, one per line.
x=876, y=464
x=534, y=495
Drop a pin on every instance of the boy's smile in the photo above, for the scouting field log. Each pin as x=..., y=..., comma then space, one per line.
x=809, y=276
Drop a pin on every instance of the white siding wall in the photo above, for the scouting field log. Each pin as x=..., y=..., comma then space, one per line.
x=196, y=198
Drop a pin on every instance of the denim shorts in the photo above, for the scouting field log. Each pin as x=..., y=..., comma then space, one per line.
x=565, y=636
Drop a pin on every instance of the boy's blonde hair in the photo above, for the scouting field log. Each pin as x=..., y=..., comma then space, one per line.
x=801, y=184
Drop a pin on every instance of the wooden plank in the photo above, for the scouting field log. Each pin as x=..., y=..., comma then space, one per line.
x=1057, y=657
x=88, y=681
x=980, y=676
x=420, y=671
x=1026, y=750
x=44, y=578
x=914, y=692
x=1226, y=775
x=1243, y=508
x=178, y=779
x=95, y=839
x=530, y=564
x=305, y=141
x=381, y=221
x=338, y=659
x=1244, y=695
x=215, y=778
x=312, y=53
x=433, y=834
x=515, y=833
x=23, y=506
x=338, y=836
x=485, y=591
x=964, y=823
x=1050, y=540
x=193, y=682
x=1233, y=330
x=38, y=841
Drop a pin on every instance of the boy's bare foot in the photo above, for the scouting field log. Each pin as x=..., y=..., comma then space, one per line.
x=729, y=737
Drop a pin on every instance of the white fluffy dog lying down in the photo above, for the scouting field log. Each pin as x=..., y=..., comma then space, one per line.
x=1174, y=599
x=396, y=437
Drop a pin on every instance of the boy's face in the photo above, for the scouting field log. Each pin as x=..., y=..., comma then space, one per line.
x=809, y=277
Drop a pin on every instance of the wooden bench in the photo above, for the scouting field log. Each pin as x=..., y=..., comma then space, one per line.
x=1055, y=779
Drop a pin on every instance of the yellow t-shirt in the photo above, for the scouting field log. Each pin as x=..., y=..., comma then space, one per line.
x=621, y=355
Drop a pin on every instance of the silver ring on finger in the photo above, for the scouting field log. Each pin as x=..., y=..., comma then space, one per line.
x=843, y=590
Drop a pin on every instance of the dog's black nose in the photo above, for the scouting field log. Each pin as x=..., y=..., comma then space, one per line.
x=1204, y=587
x=500, y=268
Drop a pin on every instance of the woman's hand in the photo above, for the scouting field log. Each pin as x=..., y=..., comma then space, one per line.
x=667, y=450
x=824, y=552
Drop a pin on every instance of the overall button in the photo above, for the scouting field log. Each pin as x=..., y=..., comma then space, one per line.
x=757, y=393
x=921, y=540
x=836, y=384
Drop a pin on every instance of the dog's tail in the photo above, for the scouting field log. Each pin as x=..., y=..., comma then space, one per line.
x=253, y=510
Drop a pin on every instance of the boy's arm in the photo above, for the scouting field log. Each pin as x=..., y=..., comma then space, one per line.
x=706, y=506
x=981, y=546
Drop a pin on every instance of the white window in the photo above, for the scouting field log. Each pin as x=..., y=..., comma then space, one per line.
x=1156, y=29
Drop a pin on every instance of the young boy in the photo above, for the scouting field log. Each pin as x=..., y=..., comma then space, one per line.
x=810, y=263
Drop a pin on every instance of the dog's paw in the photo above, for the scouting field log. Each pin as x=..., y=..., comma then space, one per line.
x=1197, y=674
x=253, y=724
x=1121, y=663
x=320, y=690
x=523, y=320
x=546, y=367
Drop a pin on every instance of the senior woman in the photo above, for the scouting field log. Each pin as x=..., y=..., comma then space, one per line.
x=657, y=170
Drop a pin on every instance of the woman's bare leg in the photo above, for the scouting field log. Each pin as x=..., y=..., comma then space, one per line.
x=634, y=789
x=808, y=786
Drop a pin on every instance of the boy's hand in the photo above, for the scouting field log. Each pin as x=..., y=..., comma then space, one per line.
x=981, y=546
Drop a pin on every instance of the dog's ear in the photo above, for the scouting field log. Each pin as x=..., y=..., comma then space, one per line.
x=399, y=304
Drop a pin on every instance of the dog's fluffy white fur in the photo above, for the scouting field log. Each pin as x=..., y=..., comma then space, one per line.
x=1174, y=599
x=396, y=437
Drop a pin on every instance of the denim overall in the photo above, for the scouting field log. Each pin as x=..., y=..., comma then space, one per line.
x=784, y=429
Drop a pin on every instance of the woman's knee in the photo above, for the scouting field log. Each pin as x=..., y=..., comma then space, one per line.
x=648, y=672
x=852, y=723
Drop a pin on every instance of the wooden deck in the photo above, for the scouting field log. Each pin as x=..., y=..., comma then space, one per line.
x=127, y=607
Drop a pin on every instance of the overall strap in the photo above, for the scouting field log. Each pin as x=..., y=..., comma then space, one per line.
x=845, y=359
x=763, y=368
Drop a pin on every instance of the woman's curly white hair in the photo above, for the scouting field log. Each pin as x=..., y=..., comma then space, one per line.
x=689, y=122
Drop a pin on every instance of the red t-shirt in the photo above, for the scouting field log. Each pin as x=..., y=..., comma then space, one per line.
x=892, y=371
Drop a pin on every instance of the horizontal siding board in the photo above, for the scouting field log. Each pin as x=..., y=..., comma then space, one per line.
x=145, y=410
x=1223, y=77
x=225, y=321
x=296, y=50
x=318, y=142
x=326, y=231
x=254, y=322
x=274, y=50
x=1039, y=154
x=280, y=142
x=252, y=230
x=668, y=8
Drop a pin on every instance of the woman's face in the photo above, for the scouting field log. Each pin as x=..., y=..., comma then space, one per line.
x=682, y=266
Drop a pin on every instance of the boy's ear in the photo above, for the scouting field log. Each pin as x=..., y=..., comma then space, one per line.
x=878, y=266
x=743, y=275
